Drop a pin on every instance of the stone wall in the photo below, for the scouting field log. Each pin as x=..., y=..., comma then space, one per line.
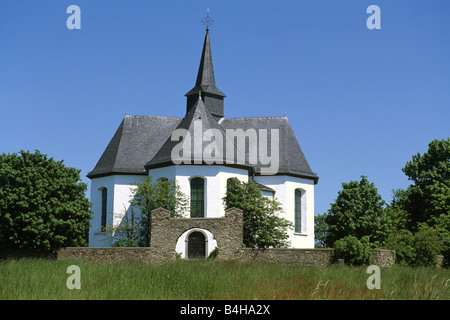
x=381, y=257
x=309, y=257
x=321, y=257
x=228, y=233
x=165, y=232
x=108, y=254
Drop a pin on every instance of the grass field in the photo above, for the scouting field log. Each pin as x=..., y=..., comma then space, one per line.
x=186, y=280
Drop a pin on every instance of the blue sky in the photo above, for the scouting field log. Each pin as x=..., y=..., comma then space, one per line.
x=360, y=101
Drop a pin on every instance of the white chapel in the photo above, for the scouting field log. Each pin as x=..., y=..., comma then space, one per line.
x=262, y=149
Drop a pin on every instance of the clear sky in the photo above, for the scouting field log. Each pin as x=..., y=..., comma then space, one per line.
x=360, y=101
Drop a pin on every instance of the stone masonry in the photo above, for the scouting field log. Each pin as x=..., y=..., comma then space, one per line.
x=165, y=232
x=227, y=231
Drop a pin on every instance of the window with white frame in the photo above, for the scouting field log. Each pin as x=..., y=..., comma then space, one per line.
x=299, y=211
x=197, y=197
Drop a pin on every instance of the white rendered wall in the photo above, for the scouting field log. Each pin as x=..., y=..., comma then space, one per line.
x=119, y=195
x=215, y=182
x=285, y=187
x=118, y=202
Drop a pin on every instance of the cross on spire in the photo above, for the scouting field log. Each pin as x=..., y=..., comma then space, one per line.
x=207, y=21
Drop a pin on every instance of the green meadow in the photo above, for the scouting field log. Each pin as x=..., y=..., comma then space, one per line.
x=200, y=280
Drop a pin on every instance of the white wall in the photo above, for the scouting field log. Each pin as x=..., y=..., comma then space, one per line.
x=215, y=182
x=119, y=194
x=285, y=187
x=118, y=197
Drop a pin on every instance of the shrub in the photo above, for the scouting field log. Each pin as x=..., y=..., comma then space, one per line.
x=427, y=245
x=354, y=252
x=402, y=242
x=419, y=249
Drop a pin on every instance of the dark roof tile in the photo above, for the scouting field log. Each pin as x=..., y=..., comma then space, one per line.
x=137, y=139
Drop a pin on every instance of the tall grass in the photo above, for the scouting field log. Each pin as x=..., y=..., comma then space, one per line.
x=186, y=280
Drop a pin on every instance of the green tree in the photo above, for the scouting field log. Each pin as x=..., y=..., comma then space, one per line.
x=320, y=231
x=396, y=211
x=43, y=205
x=424, y=207
x=263, y=228
x=428, y=198
x=149, y=195
x=427, y=244
x=357, y=211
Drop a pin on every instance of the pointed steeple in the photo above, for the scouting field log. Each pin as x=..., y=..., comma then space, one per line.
x=206, y=84
x=205, y=76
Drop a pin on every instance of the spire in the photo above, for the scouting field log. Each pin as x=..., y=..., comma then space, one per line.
x=205, y=76
x=206, y=83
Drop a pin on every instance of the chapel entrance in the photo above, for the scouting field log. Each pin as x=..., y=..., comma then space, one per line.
x=196, y=245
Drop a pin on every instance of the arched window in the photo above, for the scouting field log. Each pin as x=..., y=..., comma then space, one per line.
x=197, y=197
x=299, y=210
x=103, y=216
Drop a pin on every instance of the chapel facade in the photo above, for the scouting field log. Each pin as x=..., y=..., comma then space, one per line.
x=201, y=151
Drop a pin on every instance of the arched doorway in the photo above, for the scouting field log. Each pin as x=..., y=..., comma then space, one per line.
x=182, y=245
x=196, y=245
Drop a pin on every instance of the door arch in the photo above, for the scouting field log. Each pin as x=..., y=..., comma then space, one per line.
x=196, y=245
x=181, y=247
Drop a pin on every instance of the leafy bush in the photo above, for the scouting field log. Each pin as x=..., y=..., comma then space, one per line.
x=402, y=242
x=427, y=245
x=354, y=252
x=419, y=249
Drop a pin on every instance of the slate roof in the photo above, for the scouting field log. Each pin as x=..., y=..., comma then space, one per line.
x=292, y=161
x=140, y=138
x=196, y=122
x=137, y=139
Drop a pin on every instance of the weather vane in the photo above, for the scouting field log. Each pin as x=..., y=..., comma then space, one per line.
x=207, y=21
